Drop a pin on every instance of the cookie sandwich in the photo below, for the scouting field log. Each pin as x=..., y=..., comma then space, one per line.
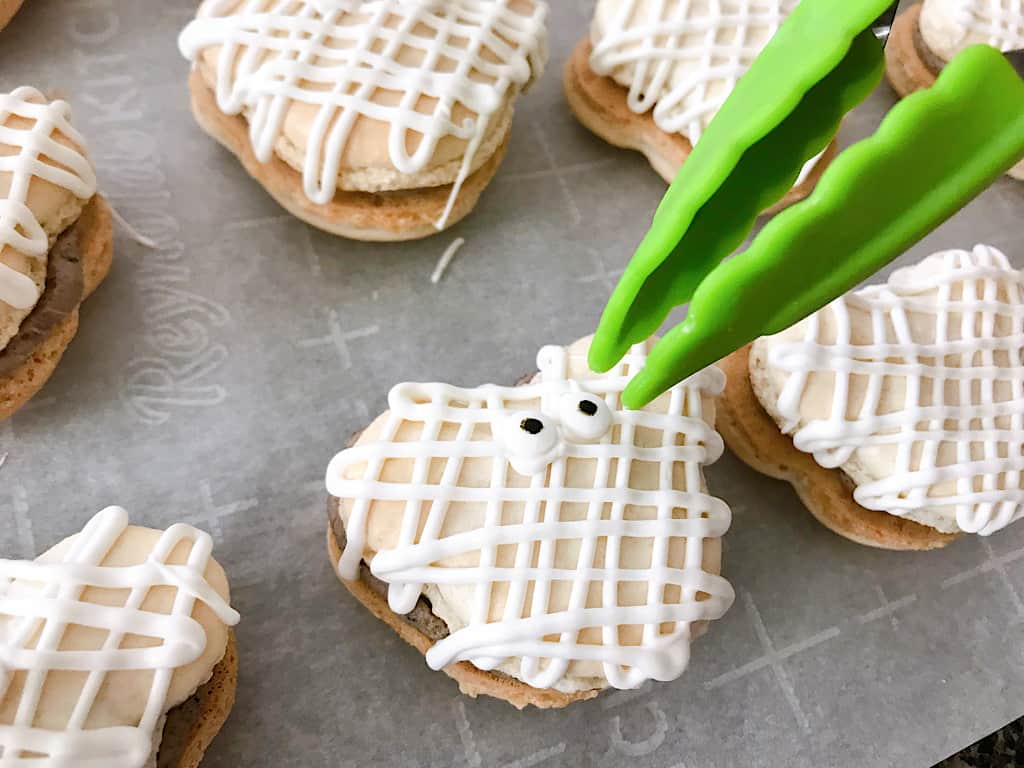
x=927, y=36
x=539, y=543
x=116, y=649
x=651, y=74
x=56, y=240
x=896, y=412
x=379, y=120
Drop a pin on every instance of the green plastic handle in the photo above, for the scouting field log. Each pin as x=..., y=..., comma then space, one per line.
x=786, y=109
x=933, y=152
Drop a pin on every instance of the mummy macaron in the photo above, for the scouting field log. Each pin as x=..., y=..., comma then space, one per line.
x=56, y=240
x=926, y=36
x=652, y=74
x=380, y=120
x=897, y=411
x=115, y=649
x=539, y=543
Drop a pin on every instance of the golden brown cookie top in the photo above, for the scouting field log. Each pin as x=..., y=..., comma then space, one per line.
x=45, y=180
x=103, y=634
x=370, y=96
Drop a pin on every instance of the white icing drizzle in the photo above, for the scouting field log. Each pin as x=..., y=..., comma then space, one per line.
x=483, y=412
x=33, y=641
x=38, y=155
x=274, y=52
x=964, y=387
x=683, y=57
x=1000, y=23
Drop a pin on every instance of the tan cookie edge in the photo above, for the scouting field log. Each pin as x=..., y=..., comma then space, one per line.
x=600, y=104
x=215, y=700
x=754, y=438
x=472, y=681
x=904, y=68
x=372, y=217
x=96, y=245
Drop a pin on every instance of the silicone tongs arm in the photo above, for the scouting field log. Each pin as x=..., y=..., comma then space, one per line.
x=934, y=151
x=821, y=63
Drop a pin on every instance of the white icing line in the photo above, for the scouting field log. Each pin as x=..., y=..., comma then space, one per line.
x=33, y=641
x=1000, y=23
x=275, y=53
x=446, y=259
x=38, y=155
x=534, y=430
x=950, y=331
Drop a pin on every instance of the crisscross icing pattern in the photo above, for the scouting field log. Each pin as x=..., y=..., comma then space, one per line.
x=1000, y=23
x=509, y=558
x=37, y=155
x=342, y=55
x=682, y=58
x=945, y=339
x=39, y=619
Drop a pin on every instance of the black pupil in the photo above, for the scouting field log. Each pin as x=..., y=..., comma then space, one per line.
x=531, y=425
x=589, y=407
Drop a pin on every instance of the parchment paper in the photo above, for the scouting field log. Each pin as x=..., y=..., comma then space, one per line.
x=213, y=379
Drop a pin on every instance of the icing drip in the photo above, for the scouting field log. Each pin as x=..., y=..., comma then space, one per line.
x=533, y=519
x=37, y=155
x=946, y=340
x=682, y=59
x=275, y=52
x=33, y=640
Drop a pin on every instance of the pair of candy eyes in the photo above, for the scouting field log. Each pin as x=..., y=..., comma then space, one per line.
x=580, y=417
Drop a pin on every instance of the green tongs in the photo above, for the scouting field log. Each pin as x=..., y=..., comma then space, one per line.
x=933, y=152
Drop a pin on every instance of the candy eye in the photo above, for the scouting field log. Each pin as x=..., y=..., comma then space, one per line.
x=584, y=417
x=532, y=441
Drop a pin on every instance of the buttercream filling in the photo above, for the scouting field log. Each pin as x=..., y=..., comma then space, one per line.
x=928, y=57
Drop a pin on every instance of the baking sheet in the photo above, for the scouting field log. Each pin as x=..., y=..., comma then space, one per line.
x=213, y=378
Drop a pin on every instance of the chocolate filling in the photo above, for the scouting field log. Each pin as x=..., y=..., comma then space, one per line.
x=61, y=296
